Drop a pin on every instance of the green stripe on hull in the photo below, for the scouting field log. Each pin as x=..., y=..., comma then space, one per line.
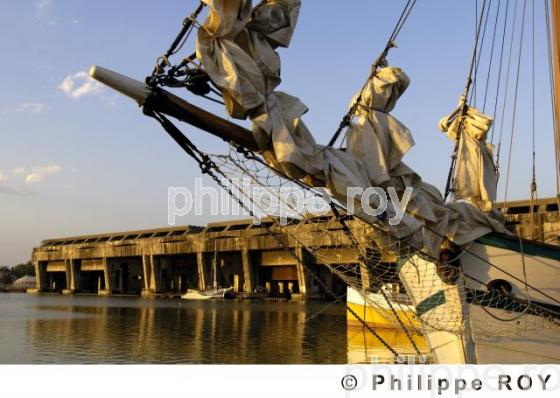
x=529, y=247
x=430, y=303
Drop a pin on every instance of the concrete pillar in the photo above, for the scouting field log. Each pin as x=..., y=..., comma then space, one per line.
x=236, y=283
x=68, y=274
x=247, y=271
x=146, y=274
x=304, y=265
x=201, y=273
x=107, y=276
x=72, y=276
x=154, y=265
x=75, y=280
x=155, y=274
x=40, y=276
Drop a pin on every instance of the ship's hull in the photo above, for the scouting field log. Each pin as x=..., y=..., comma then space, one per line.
x=462, y=322
x=207, y=295
x=363, y=347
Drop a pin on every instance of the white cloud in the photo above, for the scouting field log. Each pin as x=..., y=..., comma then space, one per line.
x=44, y=11
x=3, y=177
x=22, y=191
x=43, y=4
x=31, y=107
x=80, y=84
x=33, y=178
x=39, y=173
x=18, y=171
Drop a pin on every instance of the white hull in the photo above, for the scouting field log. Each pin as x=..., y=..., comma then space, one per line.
x=207, y=295
x=463, y=331
x=542, y=272
x=523, y=346
x=439, y=307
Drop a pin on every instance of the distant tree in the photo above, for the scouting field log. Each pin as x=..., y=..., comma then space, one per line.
x=6, y=277
x=23, y=269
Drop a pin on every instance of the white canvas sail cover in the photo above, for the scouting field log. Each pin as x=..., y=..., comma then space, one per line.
x=475, y=173
x=237, y=47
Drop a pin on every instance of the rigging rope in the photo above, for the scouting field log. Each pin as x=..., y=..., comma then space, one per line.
x=449, y=186
x=210, y=167
x=417, y=249
x=498, y=318
x=504, y=104
x=207, y=166
x=473, y=95
x=492, y=46
x=347, y=119
x=533, y=186
x=500, y=70
x=176, y=46
x=475, y=32
x=515, y=97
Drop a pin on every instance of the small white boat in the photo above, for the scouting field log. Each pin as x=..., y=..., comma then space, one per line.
x=193, y=294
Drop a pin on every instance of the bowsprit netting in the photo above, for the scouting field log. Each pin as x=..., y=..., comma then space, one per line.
x=400, y=278
x=367, y=258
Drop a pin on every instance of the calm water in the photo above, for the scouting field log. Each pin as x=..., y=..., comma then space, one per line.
x=84, y=329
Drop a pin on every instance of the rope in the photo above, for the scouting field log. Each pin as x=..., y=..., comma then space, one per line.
x=477, y=62
x=450, y=178
x=409, y=244
x=514, y=115
x=475, y=30
x=492, y=46
x=533, y=185
x=500, y=69
x=526, y=292
x=352, y=238
x=472, y=253
x=207, y=166
x=163, y=61
x=502, y=118
x=347, y=119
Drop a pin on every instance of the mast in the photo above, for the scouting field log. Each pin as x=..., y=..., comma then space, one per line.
x=555, y=81
x=555, y=11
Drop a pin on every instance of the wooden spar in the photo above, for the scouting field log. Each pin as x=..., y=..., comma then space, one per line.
x=167, y=103
x=172, y=105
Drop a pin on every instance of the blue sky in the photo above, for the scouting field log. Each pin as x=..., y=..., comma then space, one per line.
x=87, y=161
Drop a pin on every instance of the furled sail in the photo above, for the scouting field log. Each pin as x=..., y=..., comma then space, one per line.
x=237, y=47
x=475, y=176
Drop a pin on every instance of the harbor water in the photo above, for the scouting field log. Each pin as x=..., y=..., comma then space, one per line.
x=90, y=329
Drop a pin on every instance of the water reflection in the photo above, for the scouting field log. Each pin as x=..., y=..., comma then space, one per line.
x=364, y=347
x=56, y=329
